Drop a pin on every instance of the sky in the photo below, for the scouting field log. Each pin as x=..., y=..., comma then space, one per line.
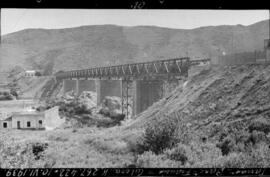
x=18, y=19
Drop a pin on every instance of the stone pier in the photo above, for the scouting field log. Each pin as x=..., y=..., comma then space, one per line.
x=78, y=86
x=69, y=85
x=85, y=85
x=108, y=88
x=145, y=93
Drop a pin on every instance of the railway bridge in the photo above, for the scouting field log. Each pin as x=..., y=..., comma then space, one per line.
x=138, y=84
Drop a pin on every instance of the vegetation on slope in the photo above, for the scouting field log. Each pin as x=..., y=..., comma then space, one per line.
x=222, y=115
x=220, y=118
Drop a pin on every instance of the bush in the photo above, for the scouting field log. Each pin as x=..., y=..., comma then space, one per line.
x=22, y=154
x=241, y=141
x=151, y=160
x=179, y=153
x=233, y=160
x=38, y=148
x=227, y=145
x=159, y=135
x=257, y=158
x=74, y=108
x=68, y=108
x=5, y=96
x=260, y=125
x=256, y=137
x=203, y=155
x=14, y=92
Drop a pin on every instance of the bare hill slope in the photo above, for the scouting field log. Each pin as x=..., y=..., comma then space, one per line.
x=87, y=46
x=215, y=98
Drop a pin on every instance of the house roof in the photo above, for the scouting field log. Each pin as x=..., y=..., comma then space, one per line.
x=7, y=119
x=28, y=113
x=4, y=115
x=30, y=71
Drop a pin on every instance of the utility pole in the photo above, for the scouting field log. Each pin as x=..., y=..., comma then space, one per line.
x=0, y=28
x=269, y=31
x=268, y=42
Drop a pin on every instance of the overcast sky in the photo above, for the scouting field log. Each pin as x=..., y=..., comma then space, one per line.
x=18, y=19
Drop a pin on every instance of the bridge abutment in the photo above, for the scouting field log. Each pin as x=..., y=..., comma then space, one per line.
x=108, y=88
x=145, y=93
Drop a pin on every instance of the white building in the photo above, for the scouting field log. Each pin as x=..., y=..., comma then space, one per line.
x=48, y=120
x=30, y=73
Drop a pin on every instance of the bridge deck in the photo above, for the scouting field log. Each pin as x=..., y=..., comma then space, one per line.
x=152, y=69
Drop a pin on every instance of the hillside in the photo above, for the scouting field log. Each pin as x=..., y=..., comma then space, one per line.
x=82, y=47
x=216, y=95
x=218, y=118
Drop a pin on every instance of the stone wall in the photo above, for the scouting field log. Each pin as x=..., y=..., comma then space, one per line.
x=52, y=118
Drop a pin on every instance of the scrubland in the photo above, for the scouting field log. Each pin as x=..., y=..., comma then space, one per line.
x=220, y=118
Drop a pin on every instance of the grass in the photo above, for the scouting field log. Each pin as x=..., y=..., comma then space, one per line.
x=118, y=147
x=87, y=147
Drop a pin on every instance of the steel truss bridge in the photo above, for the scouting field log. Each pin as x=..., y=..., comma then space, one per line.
x=136, y=71
x=151, y=72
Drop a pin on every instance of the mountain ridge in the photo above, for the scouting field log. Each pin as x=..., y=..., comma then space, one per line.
x=88, y=46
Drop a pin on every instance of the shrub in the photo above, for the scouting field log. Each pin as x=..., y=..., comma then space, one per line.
x=5, y=96
x=14, y=92
x=203, y=155
x=68, y=108
x=259, y=157
x=233, y=160
x=135, y=145
x=160, y=135
x=151, y=160
x=256, y=137
x=227, y=145
x=22, y=154
x=38, y=148
x=179, y=153
x=260, y=125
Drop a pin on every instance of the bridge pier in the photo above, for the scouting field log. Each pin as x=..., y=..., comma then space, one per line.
x=69, y=85
x=78, y=86
x=108, y=88
x=145, y=93
x=85, y=85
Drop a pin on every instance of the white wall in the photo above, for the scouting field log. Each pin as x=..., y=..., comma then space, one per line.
x=2, y=124
x=24, y=118
x=52, y=118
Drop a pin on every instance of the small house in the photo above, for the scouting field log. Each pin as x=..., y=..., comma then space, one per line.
x=28, y=120
x=48, y=120
x=30, y=73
